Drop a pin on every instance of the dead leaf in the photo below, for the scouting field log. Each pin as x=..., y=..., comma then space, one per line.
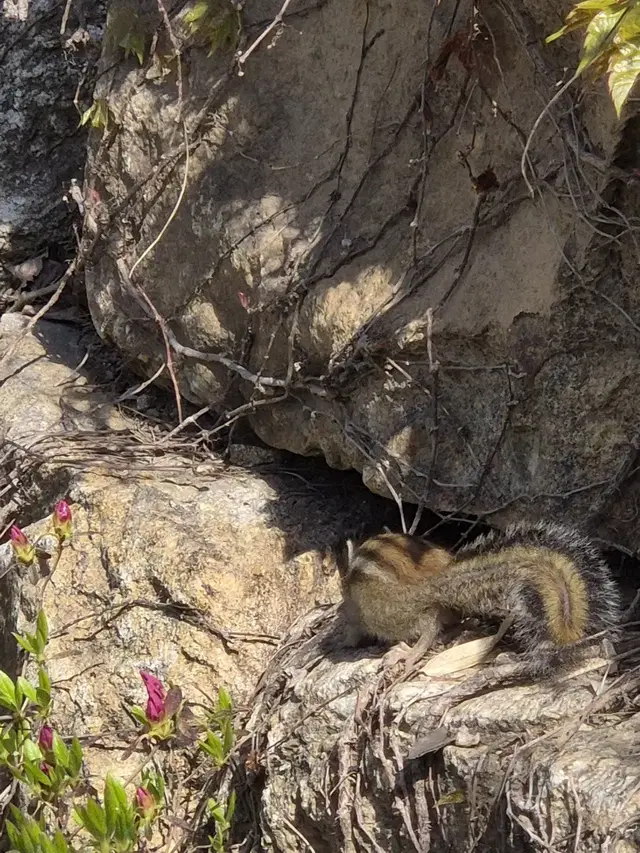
x=432, y=742
x=465, y=655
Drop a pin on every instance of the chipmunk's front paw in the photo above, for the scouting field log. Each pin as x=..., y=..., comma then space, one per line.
x=397, y=654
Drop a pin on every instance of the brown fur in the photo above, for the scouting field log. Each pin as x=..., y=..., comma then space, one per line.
x=397, y=588
x=409, y=560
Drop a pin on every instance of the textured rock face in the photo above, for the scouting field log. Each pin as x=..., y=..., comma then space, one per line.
x=331, y=185
x=192, y=569
x=41, y=147
x=523, y=768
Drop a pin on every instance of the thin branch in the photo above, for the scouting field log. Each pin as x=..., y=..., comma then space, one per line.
x=71, y=269
x=177, y=55
x=277, y=20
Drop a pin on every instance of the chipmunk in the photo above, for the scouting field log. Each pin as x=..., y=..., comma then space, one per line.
x=551, y=581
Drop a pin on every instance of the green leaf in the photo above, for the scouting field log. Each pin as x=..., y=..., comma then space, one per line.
x=26, y=642
x=45, y=844
x=224, y=700
x=227, y=732
x=28, y=689
x=43, y=692
x=92, y=817
x=133, y=42
x=44, y=681
x=32, y=751
x=580, y=16
x=629, y=27
x=42, y=629
x=624, y=69
x=119, y=814
x=599, y=36
x=75, y=757
x=198, y=11
x=26, y=844
x=231, y=806
x=19, y=695
x=216, y=811
x=7, y=692
x=9, y=740
x=13, y=834
x=59, y=843
x=139, y=714
x=594, y=5
x=213, y=747
x=226, y=32
x=111, y=805
x=86, y=115
x=61, y=751
x=34, y=774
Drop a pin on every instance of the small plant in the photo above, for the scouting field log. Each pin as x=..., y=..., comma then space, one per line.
x=223, y=817
x=22, y=548
x=160, y=716
x=149, y=800
x=214, y=22
x=112, y=826
x=611, y=43
x=126, y=30
x=49, y=768
x=218, y=739
x=35, y=644
x=27, y=835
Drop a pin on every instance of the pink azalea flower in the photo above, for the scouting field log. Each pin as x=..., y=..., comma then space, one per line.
x=155, y=691
x=144, y=801
x=62, y=520
x=23, y=549
x=45, y=739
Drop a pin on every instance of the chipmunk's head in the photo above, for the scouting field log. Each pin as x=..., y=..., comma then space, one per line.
x=393, y=558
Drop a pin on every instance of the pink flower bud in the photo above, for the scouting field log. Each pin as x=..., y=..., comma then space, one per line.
x=45, y=740
x=244, y=301
x=145, y=802
x=23, y=549
x=18, y=536
x=62, y=520
x=155, y=691
x=44, y=767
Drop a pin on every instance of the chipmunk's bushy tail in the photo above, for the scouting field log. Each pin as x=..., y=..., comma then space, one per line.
x=550, y=579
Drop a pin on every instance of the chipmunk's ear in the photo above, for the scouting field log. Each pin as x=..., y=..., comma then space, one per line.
x=350, y=550
x=341, y=557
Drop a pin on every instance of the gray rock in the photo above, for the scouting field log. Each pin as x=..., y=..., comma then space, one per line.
x=525, y=768
x=41, y=145
x=321, y=190
x=183, y=565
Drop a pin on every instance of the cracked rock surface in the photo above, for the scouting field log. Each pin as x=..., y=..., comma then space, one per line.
x=330, y=192
x=523, y=768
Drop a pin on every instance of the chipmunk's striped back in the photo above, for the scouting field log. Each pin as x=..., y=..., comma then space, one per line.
x=550, y=579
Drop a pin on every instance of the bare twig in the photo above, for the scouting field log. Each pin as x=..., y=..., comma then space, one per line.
x=65, y=17
x=276, y=21
x=177, y=55
x=71, y=269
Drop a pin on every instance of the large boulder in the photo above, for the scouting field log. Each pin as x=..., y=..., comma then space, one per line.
x=355, y=231
x=181, y=564
x=352, y=759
